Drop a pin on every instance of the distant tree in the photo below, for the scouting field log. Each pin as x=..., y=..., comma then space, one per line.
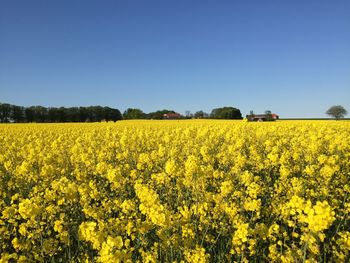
x=17, y=113
x=200, y=114
x=83, y=114
x=40, y=113
x=92, y=114
x=226, y=113
x=188, y=114
x=131, y=113
x=97, y=113
x=52, y=114
x=29, y=114
x=5, y=112
x=268, y=115
x=111, y=114
x=71, y=114
x=62, y=114
x=36, y=114
x=117, y=115
x=337, y=111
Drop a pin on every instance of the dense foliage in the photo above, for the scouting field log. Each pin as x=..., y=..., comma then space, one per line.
x=13, y=113
x=337, y=111
x=226, y=113
x=132, y=114
x=166, y=191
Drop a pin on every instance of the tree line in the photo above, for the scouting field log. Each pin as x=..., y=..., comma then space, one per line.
x=217, y=113
x=14, y=113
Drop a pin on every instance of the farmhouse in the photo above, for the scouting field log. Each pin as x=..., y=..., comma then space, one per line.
x=263, y=117
x=172, y=116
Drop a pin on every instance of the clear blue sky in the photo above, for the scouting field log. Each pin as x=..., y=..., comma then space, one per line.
x=290, y=57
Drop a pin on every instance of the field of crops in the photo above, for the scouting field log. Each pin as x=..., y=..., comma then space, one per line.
x=171, y=191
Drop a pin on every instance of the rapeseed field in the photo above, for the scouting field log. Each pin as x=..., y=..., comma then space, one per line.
x=175, y=191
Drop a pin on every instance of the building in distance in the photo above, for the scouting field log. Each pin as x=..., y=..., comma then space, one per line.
x=263, y=117
x=172, y=116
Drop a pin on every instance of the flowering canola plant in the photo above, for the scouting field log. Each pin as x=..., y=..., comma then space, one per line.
x=175, y=191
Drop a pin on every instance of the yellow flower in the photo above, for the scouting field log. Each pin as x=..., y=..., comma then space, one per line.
x=28, y=209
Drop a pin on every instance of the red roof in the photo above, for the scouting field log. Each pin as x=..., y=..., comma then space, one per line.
x=263, y=116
